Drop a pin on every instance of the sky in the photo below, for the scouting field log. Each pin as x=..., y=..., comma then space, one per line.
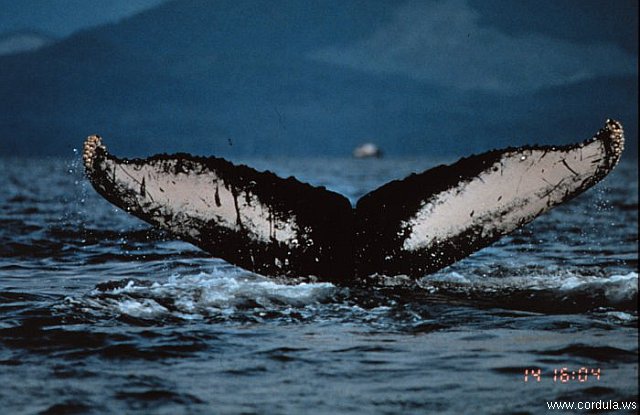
x=60, y=18
x=426, y=42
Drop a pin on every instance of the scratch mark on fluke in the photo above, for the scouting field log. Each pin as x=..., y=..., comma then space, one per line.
x=569, y=167
x=234, y=193
x=143, y=190
x=216, y=196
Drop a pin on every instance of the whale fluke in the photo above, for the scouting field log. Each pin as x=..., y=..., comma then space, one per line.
x=415, y=226
x=256, y=220
x=430, y=220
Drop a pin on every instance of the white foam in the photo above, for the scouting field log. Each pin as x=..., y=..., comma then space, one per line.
x=621, y=316
x=145, y=308
x=454, y=277
x=193, y=296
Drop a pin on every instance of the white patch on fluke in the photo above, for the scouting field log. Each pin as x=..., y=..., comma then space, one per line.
x=206, y=197
x=513, y=191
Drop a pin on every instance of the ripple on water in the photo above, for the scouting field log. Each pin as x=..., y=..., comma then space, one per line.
x=99, y=312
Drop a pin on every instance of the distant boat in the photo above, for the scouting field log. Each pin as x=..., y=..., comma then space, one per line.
x=367, y=150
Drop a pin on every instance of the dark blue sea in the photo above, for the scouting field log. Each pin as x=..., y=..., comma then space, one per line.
x=100, y=313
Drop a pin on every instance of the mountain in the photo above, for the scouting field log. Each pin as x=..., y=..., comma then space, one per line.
x=25, y=41
x=239, y=78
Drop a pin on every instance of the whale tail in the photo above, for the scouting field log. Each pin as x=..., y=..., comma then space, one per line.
x=430, y=220
x=415, y=226
x=256, y=220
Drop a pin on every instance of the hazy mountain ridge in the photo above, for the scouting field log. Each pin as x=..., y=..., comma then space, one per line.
x=237, y=78
x=23, y=41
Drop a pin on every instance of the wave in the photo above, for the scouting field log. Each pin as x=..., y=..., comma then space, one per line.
x=560, y=291
x=230, y=294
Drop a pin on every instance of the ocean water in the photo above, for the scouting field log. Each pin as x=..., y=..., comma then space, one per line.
x=99, y=313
